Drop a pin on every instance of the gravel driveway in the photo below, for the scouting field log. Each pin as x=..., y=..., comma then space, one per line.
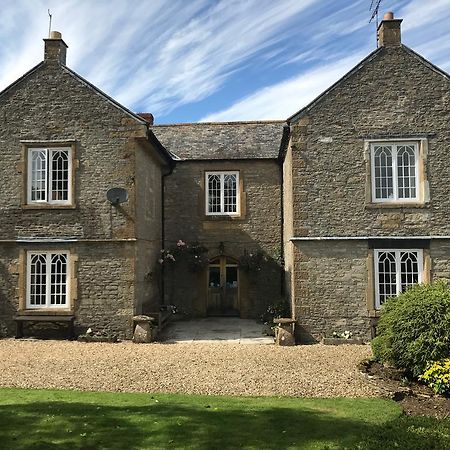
x=313, y=370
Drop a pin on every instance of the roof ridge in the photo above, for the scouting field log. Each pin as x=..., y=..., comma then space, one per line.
x=237, y=122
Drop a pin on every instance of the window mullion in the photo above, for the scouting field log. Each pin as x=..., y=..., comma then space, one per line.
x=49, y=175
x=416, y=171
x=222, y=193
x=372, y=170
x=398, y=272
x=48, y=279
x=46, y=174
x=395, y=172
x=377, y=278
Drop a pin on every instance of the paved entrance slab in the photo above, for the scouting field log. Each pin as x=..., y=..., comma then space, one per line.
x=216, y=329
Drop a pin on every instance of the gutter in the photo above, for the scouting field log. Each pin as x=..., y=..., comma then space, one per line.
x=49, y=240
x=362, y=238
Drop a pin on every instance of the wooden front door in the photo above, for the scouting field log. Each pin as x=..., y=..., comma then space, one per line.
x=223, y=288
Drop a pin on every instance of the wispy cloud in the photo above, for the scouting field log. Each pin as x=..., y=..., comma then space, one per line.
x=280, y=100
x=284, y=99
x=150, y=54
x=166, y=55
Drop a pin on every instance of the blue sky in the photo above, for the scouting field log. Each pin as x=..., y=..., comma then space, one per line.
x=205, y=60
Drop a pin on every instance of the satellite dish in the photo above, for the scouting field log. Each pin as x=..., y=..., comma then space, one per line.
x=117, y=195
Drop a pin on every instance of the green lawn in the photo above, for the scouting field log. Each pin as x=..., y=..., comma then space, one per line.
x=41, y=419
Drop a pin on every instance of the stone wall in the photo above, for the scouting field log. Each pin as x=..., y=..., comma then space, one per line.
x=331, y=287
x=393, y=95
x=106, y=288
x=148, y=230
x=104, y=285
x=440, y=259
x=259, y=229
x=51, y=104
x=9, y=276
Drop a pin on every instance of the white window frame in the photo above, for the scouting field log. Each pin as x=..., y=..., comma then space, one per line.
x=395, y=145
x=48, y=255
x=49, y=151
x=222, y=193
x=398, y=279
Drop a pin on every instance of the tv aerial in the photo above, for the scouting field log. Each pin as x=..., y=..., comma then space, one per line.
x=375, y=8
x=117, y=195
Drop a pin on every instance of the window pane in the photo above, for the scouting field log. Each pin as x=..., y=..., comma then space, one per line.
x=60, y=175
x=387, y=285
x=58, y=280
x=230, y=194
x=406, y=162
x=38, y=278
x=384, y=183
x=231, y=276
x=409, y=269
x=214, y=186
x=214, y=277
x=38, y=175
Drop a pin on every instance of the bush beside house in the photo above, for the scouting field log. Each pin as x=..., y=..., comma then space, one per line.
x=414, y=328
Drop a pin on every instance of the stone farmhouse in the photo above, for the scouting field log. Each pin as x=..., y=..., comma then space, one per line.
x=339, y=207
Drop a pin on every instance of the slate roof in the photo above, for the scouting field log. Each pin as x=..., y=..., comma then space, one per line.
x=224, y=140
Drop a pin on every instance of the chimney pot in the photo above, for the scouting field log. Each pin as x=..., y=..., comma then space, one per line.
x=55, y=48
x=55, y=35
x=147, y=117
x=389, y=31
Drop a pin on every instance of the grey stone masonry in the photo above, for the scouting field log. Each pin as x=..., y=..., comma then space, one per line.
x=112, y=248
x=258, y=229
x=395, y=94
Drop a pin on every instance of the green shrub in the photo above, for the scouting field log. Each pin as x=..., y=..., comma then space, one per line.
x=279, y=309
x=437, y=376
x=414, y=328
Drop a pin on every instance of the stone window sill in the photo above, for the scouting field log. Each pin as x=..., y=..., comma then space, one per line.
x=396, y=205
x=222, y=218
x=45, y=312
x=48, y=206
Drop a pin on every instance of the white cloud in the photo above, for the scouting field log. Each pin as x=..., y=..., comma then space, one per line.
x=420, y=14
x=156, y=54
x=284, y=99
x=280, y=100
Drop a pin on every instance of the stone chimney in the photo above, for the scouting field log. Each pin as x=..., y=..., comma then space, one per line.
x=55, y=48
x=389, y=31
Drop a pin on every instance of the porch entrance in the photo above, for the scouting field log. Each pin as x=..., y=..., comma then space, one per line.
x=223, y=287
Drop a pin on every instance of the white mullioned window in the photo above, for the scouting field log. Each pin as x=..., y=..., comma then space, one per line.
x=394, y=171
x=222, y=193
x=47, y=279
x=49, y=175
x=395, y=271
